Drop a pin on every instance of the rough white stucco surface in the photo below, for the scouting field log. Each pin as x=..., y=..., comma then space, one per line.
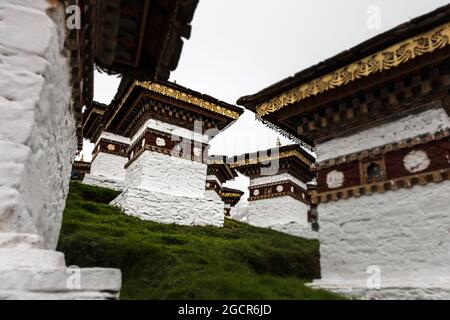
x=164, y=173
x=108, y=171
x=37, y=127
x=429, y=121
x=405, y=233
x=284, y=214
x=169, y=190
x=277, y=178
x=36, y=274
x=37, y=143
x=166, y=208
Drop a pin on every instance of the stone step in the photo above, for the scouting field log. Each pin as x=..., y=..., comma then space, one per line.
x=65, y=280
x=34, y=259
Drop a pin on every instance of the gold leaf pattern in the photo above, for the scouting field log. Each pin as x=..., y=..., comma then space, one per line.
x=392, y=57
x=185, y=97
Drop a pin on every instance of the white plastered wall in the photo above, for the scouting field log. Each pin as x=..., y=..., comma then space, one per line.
x=168, y=189
x=430, y=121
x=284, y=214
x=108, y=170
x=405, y=233
x=37, y=127
x=37, y=143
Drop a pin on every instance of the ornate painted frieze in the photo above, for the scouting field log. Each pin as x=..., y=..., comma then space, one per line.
x=258, y=159
x=387, y=59
x=185, y=97
x=230, y=198
x=290, y=159
x=220, y=169
x=417, y=161
x=212, y=185
x=165, y=143
x=278, y=189
x=79, y=170
x=110, y=147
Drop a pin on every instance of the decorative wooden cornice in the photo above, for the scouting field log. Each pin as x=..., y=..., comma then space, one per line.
x=230, y=195
x=382, y=187
x=417, y=161
x=221, y=170
x=161, y=142
x=387, y=59
x=188, y=98
x=110, y=147
x=266, y=159
x=79, y=170
x=230, y=198
x=212, y=185
x=81, y=167
x=278, y=189
x=376, y=152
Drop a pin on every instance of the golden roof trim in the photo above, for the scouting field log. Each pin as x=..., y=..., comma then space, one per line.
x=389, y=58
x=188, y=98
x=282, y=155
x=230, y=195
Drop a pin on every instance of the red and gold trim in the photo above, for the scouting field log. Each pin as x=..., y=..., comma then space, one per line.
x=417, y=161
x=278, y=189
x=164, y=143
x=212, y=185
x=110, y=147
x=231, y=196
x=79, y=170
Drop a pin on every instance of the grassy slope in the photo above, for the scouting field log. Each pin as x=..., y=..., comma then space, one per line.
x=174, y=262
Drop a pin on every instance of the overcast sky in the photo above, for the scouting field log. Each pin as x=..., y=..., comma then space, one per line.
x=239, y=47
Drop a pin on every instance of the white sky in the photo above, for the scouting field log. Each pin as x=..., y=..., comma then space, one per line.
x=239, y=47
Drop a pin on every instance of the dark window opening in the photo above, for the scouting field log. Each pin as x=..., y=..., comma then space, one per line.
x=374, y=173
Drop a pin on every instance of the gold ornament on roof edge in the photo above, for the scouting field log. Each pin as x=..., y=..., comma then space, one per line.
x=185, y=97
x=392, y=57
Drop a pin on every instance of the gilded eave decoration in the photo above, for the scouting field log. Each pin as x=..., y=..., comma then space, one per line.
x=266, y=159
x=392, y=57
x=185, y=97
x=230, y=195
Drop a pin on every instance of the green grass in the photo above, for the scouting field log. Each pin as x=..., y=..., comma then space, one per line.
x=175, y=262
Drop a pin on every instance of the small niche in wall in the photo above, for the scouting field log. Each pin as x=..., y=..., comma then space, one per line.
x=373, y=171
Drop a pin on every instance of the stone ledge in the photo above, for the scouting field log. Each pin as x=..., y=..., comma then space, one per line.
x=42, y=274
x=34, y=259
x=52, y=281
x=69, y=295
x=390, y=290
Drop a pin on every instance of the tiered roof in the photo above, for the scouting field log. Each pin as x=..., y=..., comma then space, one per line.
x=160, y=100
x=291, y=159
x=363, y=85
x=137, y=38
